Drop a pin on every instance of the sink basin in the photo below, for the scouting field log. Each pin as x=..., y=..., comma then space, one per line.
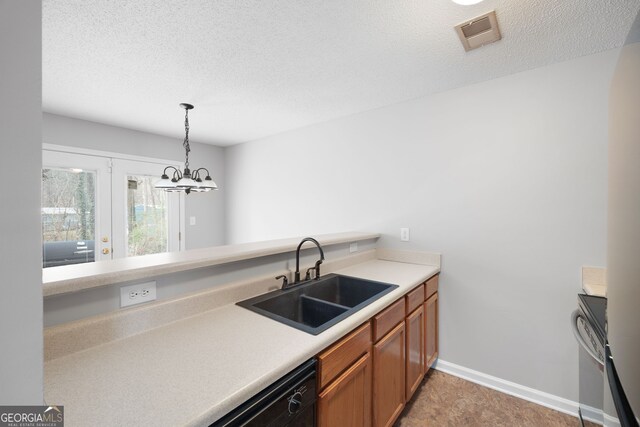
x=346, y=291
x=316, y=305
x=302, y=309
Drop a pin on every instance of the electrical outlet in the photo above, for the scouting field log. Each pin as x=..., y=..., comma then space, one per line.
x=353, y=247
x=192, y=220
x=137, y=294
x=404, y=234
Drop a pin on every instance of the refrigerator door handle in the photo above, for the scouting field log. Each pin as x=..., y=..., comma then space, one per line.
x=575, y=316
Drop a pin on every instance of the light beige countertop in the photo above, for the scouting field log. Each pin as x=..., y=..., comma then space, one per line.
x=195, y=370
x=594, y=281
x=77, y=277
x=595, y=290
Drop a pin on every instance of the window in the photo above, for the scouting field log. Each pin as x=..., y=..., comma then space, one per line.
x=68, y=216
x=96, y=207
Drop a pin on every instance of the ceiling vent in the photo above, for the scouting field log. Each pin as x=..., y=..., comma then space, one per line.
x=479, y=31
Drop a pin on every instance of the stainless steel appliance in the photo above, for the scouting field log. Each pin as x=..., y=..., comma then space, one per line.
x=623, y=239
x=290, y=402
x=588, y=325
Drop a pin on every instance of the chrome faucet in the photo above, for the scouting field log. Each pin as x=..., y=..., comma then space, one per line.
x=317, y=266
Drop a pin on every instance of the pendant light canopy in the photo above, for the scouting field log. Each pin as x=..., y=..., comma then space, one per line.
x=186, y=181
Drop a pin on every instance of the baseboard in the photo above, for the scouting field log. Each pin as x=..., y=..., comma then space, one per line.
x=594, y=415
x=527, y=393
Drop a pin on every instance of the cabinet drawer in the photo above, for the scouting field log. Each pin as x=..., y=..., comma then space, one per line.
x=386, y=320
x=415, y=298
x=341, y=355
x=432, y=286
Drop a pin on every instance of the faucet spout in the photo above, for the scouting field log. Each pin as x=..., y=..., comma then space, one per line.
x=314, y=241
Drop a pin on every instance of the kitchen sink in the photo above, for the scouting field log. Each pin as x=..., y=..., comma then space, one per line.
x=315, y=305
x=302, y=309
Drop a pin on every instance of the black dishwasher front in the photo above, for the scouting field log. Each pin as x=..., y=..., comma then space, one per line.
x=290, y=401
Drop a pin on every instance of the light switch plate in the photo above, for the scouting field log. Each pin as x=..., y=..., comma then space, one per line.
x=192, y=220
x=404, y=234
x=137, y=294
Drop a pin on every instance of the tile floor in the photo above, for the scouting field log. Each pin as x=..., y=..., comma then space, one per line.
x=444, y=400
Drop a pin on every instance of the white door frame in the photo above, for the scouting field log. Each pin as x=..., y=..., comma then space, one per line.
x=122, y=168
x=113, y=155
x=101, y=165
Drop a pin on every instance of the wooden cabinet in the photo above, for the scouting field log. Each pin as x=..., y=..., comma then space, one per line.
x=337, y=358
x=367, y=377
x=389, y=376
x=431, y=330
x=344, y=381
x=415, y=350
x=387, y=319
x=347, y=400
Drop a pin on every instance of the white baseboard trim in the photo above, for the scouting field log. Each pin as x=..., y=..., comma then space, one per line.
x=527, y=393
x=594, y=415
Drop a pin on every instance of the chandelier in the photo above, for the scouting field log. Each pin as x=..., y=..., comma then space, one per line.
x=186, y=181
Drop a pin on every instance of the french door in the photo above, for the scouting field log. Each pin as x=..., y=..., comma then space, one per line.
x=147, y=219
x=76, y=208
x=96, y=207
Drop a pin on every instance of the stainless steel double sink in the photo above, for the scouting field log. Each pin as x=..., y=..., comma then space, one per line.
x=316, y=305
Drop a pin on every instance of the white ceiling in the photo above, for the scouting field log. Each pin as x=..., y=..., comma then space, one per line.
x=258, y=68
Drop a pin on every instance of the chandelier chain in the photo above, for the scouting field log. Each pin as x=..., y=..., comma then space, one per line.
x=185, y=144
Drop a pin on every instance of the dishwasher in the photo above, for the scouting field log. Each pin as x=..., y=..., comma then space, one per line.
x=290, y=402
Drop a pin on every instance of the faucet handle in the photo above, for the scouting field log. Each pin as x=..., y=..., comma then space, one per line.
x=308, y=275
x=285, y=281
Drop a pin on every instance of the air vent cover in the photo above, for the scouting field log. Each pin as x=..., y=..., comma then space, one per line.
x=479, y=31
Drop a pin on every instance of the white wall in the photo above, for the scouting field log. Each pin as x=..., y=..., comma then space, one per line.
x=208, y=208
x=507, y=178
x=21, y=251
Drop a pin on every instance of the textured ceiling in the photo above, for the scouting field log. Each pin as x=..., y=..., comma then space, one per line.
x=257, y=68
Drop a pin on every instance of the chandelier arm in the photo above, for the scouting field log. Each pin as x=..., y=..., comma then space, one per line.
x=170, y=167
x=196, y=174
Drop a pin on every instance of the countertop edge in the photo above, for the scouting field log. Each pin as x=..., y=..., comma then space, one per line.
x=73, y=278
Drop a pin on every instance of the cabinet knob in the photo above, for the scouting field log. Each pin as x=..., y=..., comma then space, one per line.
x=106, y=251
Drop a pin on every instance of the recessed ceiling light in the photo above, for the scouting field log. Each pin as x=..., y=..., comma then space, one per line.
x=466, y=2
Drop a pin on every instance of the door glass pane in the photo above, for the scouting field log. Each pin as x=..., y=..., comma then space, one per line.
x=68, y=216
x=147, y=216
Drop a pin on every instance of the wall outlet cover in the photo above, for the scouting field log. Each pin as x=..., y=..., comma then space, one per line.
x=404, y=234
x=137, y=294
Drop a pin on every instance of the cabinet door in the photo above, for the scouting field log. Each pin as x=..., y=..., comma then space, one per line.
x=415, y=350
x=347, y=400
x=389, y=377
x=431, y=329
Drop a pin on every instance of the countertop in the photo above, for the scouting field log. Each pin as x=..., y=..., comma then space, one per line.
x=595, y=290
x=78, y=277
x=194, y=371
x=594, y=281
